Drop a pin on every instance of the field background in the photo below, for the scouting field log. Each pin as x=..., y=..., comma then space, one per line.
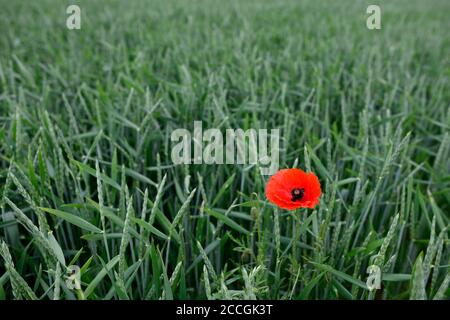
x=85, y=171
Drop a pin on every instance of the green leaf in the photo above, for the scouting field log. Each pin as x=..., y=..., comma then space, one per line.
x=232, y=224
x=85, y=168
x=342, y=290
x=224, y=187
x=304, y=294
x=341, y=275
x=150, y=228
x=54, y=245
x=396, y=277
x=98, y=236
x=94, y=283
x=209, y=248
x=73, y=219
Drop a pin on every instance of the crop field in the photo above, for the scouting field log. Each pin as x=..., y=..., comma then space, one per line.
x=92, y=205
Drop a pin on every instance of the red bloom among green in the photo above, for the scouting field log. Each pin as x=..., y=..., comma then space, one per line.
x=293, y=188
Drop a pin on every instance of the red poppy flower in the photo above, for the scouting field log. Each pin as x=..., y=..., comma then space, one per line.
x=293, y=188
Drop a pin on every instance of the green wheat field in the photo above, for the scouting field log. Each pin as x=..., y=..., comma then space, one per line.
x=87, y=180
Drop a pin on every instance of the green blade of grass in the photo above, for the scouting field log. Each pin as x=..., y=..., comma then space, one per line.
x=232, y=224
x=73, y=219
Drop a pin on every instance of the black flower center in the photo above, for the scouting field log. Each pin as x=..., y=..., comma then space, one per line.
x=297, y=194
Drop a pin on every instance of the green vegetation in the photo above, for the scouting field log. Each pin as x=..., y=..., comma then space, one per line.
x=86, y=176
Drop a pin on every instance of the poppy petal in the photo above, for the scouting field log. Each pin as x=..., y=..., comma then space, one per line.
x=280, y=186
